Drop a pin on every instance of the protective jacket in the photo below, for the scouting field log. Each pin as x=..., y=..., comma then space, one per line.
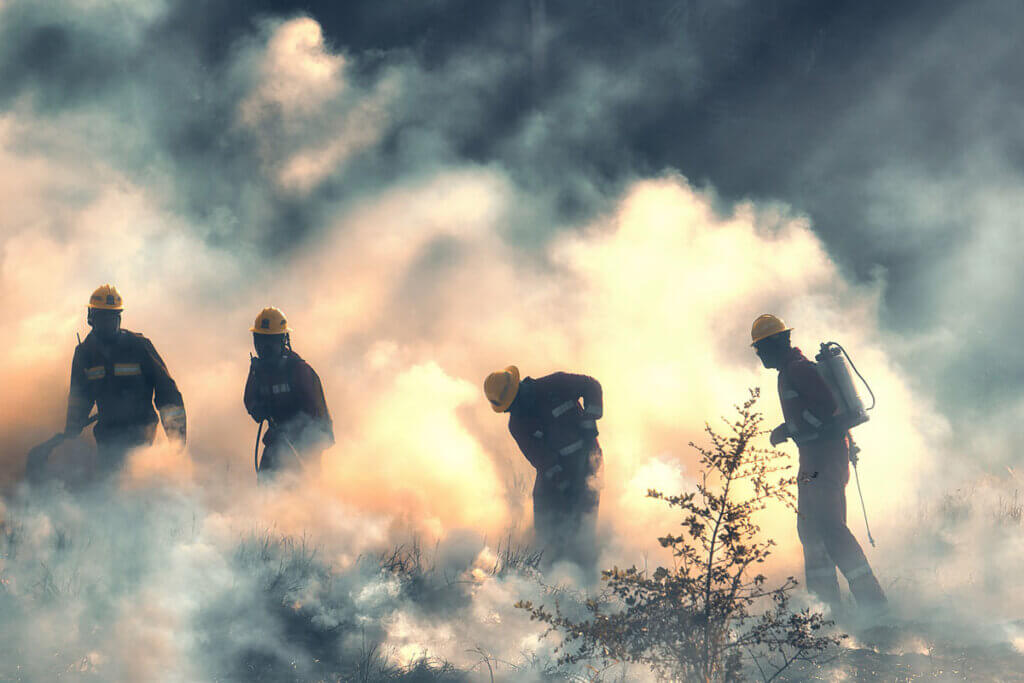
x=557, y=434
x=124, y=381
x=808, y=407
x=290, y=395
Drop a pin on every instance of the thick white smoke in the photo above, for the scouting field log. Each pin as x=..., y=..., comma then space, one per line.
x=403, y=299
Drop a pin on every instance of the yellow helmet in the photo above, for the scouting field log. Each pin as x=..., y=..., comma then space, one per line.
x=270, y=321
x=765, y=326
x=501, y=388
x=106, y=298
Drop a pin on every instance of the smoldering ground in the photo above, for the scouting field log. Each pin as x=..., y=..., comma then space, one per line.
x=335, y=182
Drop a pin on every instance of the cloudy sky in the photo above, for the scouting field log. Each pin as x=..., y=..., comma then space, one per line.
x=893, y=128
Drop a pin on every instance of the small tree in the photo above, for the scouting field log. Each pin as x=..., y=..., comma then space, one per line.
x=711, y=614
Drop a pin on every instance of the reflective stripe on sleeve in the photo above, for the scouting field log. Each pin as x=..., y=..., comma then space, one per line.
x=811, y=420
x=127, y=369
x=98, y=372
x=172, y=412
x=572, y=448
x=595, y=410
x=789, y=393
x=552, y=471
x=557, y=411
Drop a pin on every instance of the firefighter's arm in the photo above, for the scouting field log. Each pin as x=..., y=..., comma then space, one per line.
x=822, y=406
x=588, y=389
x=314, y=401
x=779, y=434
x=79, y=402
x=530, y=438
x=167, y=398
x=256, y=408
x=556, y=471
x=532, y=445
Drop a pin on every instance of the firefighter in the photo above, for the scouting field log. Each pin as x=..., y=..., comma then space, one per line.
x=558, y=436
x=283, y=390
x=123, y=376
x=808, y=408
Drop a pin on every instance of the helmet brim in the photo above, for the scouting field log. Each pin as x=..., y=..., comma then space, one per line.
x=769, y=336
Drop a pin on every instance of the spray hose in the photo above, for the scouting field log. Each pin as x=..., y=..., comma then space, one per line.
x=256, y=450
x=854, y=450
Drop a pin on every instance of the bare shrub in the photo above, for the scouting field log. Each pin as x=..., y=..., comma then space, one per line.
x=712, y=616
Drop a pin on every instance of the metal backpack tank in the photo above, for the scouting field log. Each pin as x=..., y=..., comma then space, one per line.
x=834, y=365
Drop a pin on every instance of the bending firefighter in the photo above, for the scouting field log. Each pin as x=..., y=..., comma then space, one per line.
x=810, y=409
x=284, y=391
x=123, y=376
x=559, y=438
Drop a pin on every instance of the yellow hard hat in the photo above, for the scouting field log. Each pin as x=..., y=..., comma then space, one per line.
x=501, y=388
x=270, y=321
x=106, y=298
x=765, y=326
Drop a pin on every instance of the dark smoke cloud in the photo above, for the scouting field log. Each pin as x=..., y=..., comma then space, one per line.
x=455, y=185
x=892, y=126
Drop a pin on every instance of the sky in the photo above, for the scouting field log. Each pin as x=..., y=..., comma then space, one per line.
x=434, y=191
x=892, y=127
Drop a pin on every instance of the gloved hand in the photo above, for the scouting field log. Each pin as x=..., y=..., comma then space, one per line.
x=177, y=438
x=779, y=434
x=174, y=421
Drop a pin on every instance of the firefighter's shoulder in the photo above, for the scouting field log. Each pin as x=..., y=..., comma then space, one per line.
x=81, y=354
x=87, y=346
x=137, y=340
x=556, y=376
x=800, y=364
x=559, y=381
x=299, y=366
x=297, y=361
x=804, y=367
x=135, y=337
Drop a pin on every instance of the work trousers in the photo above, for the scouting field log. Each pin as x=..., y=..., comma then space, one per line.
x=828, y=543
x=566, y=527
x=565, y=512
x=113, y=446
x=288, y=452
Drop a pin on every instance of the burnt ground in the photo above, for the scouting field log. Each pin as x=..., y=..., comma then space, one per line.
x=915, y=652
